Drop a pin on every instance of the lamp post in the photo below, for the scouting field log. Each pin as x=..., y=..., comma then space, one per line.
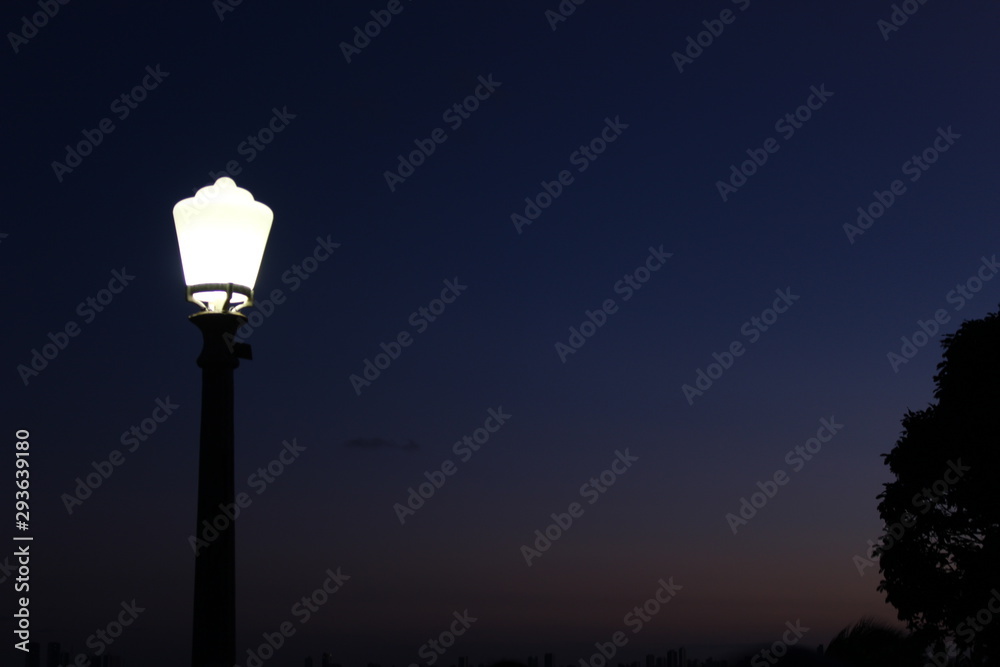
x=221, y=232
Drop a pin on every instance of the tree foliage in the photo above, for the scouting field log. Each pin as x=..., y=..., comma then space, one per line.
x=939, y=554
x=869, y=643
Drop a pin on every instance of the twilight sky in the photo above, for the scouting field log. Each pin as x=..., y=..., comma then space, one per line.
x=698, y=202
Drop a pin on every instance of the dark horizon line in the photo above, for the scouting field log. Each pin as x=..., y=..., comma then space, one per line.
x=621, y=658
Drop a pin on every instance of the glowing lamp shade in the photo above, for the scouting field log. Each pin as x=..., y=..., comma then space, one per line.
x=221, y=232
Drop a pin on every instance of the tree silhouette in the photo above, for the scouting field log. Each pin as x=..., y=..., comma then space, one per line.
x=869, y=643
x=939, y=552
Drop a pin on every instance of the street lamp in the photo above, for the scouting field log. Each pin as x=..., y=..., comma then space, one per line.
x=221, y=232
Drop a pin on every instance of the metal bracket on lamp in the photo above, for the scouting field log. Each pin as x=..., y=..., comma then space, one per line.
x=228, y=288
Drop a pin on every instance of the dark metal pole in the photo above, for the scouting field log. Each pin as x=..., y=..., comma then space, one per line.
x=214, y=633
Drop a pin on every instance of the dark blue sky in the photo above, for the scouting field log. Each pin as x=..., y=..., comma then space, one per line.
x=213, y=82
